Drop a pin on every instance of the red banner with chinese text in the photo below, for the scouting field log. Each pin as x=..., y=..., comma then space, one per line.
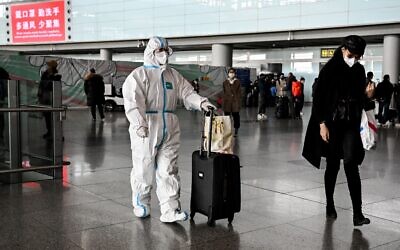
x=38, y=22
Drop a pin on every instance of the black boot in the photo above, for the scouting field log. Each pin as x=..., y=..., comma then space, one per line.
x=236, y=131
x=331, y=212
x=359, y=219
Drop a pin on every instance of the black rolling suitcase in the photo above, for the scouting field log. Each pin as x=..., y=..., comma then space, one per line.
x=282, y=107
x=215, y=184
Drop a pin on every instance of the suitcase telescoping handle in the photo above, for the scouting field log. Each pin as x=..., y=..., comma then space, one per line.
x=209, y=133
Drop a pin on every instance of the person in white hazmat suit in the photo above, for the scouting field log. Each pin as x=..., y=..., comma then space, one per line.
x=150, y=95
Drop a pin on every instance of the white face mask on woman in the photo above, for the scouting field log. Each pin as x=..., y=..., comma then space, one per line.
x=161, y=57
x=350, y=61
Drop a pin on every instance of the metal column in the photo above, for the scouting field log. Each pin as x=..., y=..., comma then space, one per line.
x=57, y=131
x=14, y=134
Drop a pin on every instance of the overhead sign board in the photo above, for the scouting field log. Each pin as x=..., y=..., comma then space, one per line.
x=38, y=22
x=327, y=52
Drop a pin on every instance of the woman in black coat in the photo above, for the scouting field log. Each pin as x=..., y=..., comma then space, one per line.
x=334, y=128
x=94, y=89
x=45, y=91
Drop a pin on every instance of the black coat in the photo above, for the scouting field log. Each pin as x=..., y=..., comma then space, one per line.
x=384, y=91
x=94, y=89
x=336, y=82
x=46, y=86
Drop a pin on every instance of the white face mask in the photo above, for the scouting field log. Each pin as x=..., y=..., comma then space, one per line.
x=161, y=57
x=350, y=61
x=231, y=75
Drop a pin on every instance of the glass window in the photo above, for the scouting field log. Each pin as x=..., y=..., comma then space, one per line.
x=229, y=16
x=196, y=8
x=194, y=19
x=374, y=16
x=324, y=20
x=170, y=21
x=257, y=57
x=320, y=7
x=202, y=29
x=238, y=27
x=288, y=23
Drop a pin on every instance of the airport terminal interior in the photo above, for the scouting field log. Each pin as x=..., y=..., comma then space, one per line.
x=65, y=175
x=283, y=199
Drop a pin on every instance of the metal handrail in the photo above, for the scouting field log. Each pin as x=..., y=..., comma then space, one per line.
x=17, y=170
x=10, y=171
x=19, y=110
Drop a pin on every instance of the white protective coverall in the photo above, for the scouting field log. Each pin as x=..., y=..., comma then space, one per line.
x=150, y=95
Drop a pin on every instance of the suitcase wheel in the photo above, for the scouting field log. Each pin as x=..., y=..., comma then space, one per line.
x=230, y=218
x=192, y=215
x=210, y=222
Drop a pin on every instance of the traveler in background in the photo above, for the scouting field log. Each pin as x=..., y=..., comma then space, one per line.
x=94, y=89
x=384, y=92
x=196, y=86
x=281, y=86
x=334, y=128
x=274, y=90
x=231, y=98
x=4, y=77
x=397, y=102
x=45, y=91
x=264, y=92
x=290, y=79
x=314, y=86
x=298, y=97
x=370, y=105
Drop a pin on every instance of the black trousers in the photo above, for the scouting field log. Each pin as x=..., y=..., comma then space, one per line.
x=383, y=108
x=262, y=103
x=47, y=118
x=100, y=108
x=236, y=118
x=298, y=106
x=342, y=142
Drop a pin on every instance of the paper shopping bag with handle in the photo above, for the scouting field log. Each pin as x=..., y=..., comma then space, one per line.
x=221, y=134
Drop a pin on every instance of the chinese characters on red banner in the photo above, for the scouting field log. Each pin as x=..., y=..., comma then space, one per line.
x=38, y=22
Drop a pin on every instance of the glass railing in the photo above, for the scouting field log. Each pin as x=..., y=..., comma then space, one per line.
x=32, y=132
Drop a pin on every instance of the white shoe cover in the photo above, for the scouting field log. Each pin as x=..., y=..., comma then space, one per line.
x=174, y=216
x=142, y=211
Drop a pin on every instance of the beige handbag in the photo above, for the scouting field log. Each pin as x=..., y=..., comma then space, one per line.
x=221, y=134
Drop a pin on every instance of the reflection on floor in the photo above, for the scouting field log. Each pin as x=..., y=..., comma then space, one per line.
x=282, y=196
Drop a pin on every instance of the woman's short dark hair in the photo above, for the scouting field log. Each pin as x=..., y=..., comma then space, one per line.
x=386, y=77
x=232, y=69
x=355, y=44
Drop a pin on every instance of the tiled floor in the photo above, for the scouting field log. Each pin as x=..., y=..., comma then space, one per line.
x=282, y=195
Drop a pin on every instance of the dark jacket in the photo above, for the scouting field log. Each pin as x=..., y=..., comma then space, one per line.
x=289, y=82
x=231, y=96
x=4, y=77
x=46, y=86
x=339, y=88
x=4, y=74
x=94, y=89
x=384, y=91
x=396, y=90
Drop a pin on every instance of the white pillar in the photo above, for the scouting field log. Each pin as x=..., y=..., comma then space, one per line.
x=106, y=54
x=222, y=55
x=391, y=57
